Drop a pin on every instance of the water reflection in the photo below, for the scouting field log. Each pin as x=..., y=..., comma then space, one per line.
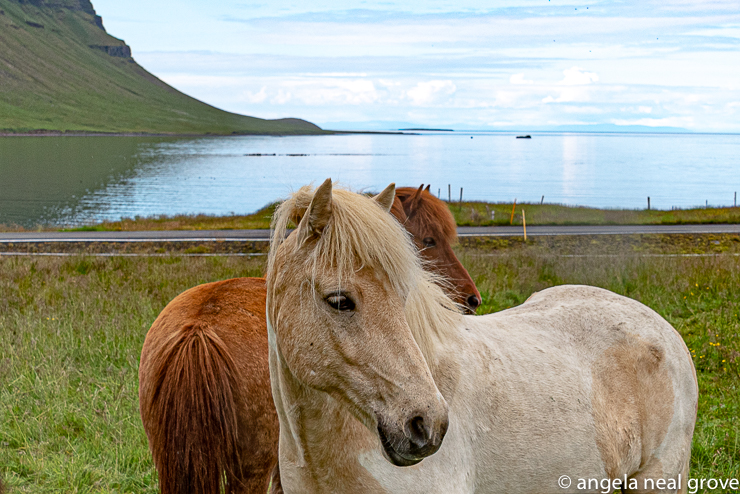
x=87, y=179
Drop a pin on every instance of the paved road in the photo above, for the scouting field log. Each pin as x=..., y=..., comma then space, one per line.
x=263, y=235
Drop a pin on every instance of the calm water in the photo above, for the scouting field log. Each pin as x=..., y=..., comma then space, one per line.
x=73, y=180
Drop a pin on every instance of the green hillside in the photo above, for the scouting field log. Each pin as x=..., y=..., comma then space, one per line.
x=61, y=71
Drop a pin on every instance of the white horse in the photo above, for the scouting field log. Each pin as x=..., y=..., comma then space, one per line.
x=371, y=368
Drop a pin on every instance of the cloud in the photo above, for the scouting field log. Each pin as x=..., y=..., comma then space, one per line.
x=685, y=122
x=575, y=76
x=427, y=93
x=519, y=79
x=258, y=97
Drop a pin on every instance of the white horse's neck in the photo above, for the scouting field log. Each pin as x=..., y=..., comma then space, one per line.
x=319, y=438
x=323, y=447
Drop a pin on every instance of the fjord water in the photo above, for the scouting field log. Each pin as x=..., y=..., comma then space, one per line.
x=78, y=180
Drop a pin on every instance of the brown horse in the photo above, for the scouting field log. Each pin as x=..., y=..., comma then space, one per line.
x=204, y=384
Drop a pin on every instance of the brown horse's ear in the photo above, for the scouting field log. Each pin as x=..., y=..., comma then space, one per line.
x=318, y=213
x=427, y=189
x=385, y=198
x=411, y=204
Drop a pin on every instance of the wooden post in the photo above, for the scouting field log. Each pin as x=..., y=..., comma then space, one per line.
x=449, y=193
x=542, y=201
x=524, y=222
x=511, y=221
x=648, y=203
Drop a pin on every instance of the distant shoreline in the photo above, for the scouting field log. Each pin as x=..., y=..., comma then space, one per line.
x=323, y=132
x=56, y=133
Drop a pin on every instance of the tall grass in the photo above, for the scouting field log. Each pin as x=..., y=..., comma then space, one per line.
x=487, y=214
x=71, y=331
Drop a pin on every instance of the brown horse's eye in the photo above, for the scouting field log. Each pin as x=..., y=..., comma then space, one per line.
x=429, y=242
x=340, y=302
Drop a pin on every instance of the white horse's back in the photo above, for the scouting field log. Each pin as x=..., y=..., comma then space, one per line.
x=576, y=381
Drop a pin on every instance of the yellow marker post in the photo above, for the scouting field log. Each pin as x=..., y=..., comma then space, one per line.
x=524, y=222
x=511, y=221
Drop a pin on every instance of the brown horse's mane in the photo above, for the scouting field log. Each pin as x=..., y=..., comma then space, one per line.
x=429, y=209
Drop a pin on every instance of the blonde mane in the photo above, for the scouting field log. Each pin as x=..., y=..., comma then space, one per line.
x=360, y=234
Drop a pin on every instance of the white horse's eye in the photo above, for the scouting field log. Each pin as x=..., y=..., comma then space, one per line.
x=340, y=302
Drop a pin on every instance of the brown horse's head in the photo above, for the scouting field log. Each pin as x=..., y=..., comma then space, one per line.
x=434, y=230
x=338, y=297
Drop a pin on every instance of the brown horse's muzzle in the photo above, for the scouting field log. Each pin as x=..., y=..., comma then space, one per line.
x=420, y=436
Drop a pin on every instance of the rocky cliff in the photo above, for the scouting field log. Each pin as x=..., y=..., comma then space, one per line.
x=61, y=71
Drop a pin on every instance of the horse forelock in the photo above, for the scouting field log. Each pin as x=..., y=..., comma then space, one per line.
x=431, y=211
x=360, y=234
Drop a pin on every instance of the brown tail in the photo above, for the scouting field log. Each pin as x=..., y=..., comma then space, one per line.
x=194, y=405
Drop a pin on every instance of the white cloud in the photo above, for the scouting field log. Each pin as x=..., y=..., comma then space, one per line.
x=430, y=92
x=258, y=97
x=686, y=122
x=575, y=76
x=519, y=79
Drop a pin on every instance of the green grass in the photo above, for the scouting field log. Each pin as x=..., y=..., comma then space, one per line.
x=257, y=220
x=71, y=331
x=479, y=214
x=469, y=214
x=51, y=79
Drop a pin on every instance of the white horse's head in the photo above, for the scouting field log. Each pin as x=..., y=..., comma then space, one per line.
x=339, y=288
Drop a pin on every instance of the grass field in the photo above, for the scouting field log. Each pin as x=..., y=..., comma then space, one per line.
x=485, y=214
x=71, y=330
x=466, y=214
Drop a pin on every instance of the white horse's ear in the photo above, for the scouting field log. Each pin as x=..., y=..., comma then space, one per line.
x=385, y=198
x=318, y=212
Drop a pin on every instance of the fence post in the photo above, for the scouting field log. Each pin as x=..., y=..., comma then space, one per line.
x=461, y=196
x=524, y=222
x=542, y=201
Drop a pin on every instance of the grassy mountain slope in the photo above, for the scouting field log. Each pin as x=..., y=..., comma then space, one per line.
x=60, y=71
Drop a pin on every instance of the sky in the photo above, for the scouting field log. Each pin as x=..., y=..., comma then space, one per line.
x=462, y=64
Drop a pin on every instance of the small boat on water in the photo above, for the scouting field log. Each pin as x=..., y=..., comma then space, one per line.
x=524, y=137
